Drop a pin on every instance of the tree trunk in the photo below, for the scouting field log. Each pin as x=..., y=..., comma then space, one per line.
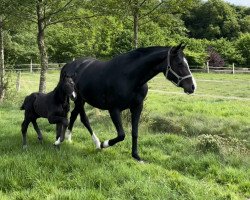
x=136, y=26
x=41, y=45
x=2, y=71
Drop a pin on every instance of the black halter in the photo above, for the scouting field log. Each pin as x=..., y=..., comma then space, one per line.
x=170, y=70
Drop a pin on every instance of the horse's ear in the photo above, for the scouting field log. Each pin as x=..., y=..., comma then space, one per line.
x=177, y=48
x=183, y=46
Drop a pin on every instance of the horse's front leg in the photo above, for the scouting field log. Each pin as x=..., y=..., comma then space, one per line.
x=116, y=118
x=135, y=116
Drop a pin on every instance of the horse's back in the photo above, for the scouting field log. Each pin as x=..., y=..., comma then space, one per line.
x=73, y=68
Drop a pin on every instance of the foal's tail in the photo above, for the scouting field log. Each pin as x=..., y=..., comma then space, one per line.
x=28, y=102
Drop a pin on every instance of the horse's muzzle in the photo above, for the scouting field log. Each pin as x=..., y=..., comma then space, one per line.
x=190, y=90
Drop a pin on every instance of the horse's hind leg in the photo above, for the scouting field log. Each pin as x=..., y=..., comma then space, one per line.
x=25, y=125
x=116, y=118
x=39, y=134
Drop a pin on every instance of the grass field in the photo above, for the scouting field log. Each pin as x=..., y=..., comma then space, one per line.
x=195, y=147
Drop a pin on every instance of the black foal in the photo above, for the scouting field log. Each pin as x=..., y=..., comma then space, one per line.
x=54, y=106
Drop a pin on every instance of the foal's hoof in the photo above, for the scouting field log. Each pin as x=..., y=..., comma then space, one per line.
x=40, y=140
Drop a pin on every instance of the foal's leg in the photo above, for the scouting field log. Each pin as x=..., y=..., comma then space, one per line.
x=39, y=134
x=60, y=133
x=135, y=115
x=25, y=125
x=61, y=125
x=116, y=118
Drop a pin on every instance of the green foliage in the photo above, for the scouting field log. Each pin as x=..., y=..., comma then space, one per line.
x=243, y=46
x=20, y=47
x=213, y=19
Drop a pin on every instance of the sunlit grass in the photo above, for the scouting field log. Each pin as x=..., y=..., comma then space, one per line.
x=195, y=147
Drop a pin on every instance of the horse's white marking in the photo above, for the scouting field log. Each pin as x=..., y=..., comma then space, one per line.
x=68, y=135
x=194, y=82
x=74, y=94
x=96, y=141
x=106, y=144
x=57, y=142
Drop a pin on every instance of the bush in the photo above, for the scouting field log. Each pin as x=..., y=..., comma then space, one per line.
x=220, y=145
x=215, y=59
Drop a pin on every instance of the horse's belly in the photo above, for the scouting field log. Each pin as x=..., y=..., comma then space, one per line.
x=107, y=102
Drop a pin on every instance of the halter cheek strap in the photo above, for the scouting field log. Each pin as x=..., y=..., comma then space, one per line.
x=170, y=70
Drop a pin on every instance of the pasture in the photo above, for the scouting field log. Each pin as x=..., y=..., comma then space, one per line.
x=194, y=147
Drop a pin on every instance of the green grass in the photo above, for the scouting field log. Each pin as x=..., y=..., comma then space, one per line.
x=195, y=147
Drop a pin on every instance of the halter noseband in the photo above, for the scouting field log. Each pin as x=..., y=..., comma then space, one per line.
x=169, y=69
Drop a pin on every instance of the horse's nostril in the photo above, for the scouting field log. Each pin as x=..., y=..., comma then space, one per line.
x=193, y=87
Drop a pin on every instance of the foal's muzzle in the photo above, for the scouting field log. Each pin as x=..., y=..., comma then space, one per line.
x=73, y=96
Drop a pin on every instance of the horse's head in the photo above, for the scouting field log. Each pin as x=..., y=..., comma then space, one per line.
x=178, y=71
x=69, y=87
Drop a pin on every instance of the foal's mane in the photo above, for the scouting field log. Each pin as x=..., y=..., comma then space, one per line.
x=59, y=94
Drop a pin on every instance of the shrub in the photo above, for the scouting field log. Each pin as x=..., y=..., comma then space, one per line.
x=221, y=145
x=215, y=58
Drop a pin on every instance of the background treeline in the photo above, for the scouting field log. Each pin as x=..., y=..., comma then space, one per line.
x=106, y=28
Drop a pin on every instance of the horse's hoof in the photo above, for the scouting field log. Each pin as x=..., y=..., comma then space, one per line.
x=56, y=146
x=138, y=159
x=25, y=146
x=68, y=134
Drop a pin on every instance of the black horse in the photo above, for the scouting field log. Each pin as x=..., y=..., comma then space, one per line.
x=121, y=83
x=54, y=106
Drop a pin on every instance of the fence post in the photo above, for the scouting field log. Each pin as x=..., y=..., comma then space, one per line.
x=31, y=70
x=233, y=69
x=208, y=67
x=18, y=81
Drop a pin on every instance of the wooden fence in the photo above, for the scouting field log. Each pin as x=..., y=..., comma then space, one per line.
x=33, y=67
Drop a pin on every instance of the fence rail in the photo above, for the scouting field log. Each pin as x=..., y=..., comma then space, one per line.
x=32, y=67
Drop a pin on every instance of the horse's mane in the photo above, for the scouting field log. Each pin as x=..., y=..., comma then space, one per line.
x=140, y=52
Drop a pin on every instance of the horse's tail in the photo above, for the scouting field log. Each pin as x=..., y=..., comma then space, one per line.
x=28, y=102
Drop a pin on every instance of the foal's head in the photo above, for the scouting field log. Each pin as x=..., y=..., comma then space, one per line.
x=68, y=86
x=178, y=71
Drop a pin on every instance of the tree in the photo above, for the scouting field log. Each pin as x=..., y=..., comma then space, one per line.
x=5, y=20
x=2, y=71
x=213, y=19
x=46, y=13
x=243, y=45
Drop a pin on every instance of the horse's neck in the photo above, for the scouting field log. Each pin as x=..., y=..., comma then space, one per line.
x=148, y=67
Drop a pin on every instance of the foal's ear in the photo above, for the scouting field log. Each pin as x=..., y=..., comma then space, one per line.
x=63, y=75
